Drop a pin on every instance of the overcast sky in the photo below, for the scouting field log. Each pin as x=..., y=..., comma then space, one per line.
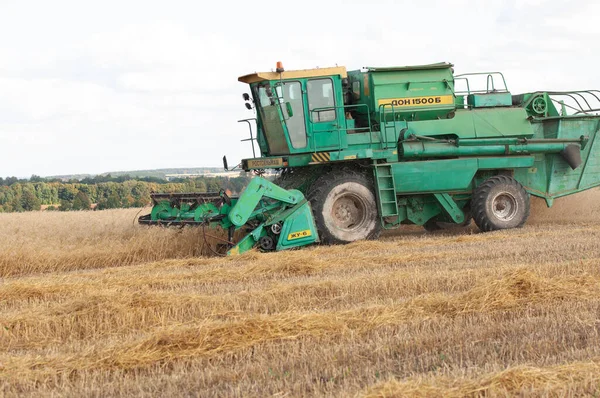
x=90, y=87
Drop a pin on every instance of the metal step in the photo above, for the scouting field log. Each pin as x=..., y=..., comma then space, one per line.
x=386, y=191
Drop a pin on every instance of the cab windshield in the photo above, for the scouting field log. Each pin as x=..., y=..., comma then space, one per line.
x=270, y=108
x=271, y=122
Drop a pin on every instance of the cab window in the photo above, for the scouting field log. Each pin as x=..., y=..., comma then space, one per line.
x=321, y=101
x=292, y=93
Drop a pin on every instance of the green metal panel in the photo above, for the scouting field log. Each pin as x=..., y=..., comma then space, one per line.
x=501, y=122
x=406, y=90
x=298, y=228
x=550, y=176
x=413, y=94
x=434, y=175
x=590, y=171
x=477, y=123
x=447, y=175
x=489, y=99
x=505, y=163
x=563, y=178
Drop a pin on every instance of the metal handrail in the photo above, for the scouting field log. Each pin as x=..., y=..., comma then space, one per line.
x=489, y=81
x=384, y=122
x=251, y=139
x=338, y=130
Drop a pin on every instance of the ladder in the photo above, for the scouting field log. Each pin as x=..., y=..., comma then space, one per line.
x=386, y=193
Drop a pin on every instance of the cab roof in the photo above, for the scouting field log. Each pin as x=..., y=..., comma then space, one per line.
x=293, y=74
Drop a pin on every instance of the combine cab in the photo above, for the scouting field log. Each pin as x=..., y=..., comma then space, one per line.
x=361, y=151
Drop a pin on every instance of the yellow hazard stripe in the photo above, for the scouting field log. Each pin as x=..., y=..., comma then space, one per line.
x=321, y=157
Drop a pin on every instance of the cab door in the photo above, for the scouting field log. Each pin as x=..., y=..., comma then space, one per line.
x=290, y=95
x=324, y=115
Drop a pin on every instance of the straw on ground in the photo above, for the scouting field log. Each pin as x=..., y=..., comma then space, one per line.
x=91, y=304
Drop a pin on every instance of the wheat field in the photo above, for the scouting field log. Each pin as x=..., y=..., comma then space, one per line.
x=92, y=304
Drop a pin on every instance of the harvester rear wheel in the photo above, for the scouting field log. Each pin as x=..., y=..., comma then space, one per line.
x=500, y=203
x=344, y=206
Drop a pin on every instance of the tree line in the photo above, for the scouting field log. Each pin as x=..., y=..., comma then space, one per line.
x=18, y=195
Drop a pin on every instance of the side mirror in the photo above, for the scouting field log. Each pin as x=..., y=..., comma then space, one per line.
x=288, y=108
x=246, y=97
x=248, y=106
x=225, y=163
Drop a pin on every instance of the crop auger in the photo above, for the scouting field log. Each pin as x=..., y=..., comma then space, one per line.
x=361, y=151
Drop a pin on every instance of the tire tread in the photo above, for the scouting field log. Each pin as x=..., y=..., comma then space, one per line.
x=479, y=202
x=315, y=195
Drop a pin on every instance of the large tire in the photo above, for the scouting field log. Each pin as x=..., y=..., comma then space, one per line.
x=299, y=178
x=344, y=206
x=500, y=203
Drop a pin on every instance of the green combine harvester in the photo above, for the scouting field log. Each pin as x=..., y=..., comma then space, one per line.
x=361, y=151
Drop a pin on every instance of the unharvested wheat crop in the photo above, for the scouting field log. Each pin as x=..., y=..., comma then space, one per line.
x=92, y=304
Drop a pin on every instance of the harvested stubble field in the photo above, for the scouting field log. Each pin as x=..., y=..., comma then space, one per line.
x=93, y=305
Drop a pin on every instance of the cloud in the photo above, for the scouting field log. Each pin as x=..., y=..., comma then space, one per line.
x=91, y=87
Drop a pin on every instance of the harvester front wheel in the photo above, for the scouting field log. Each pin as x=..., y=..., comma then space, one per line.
x=500, y=203
x=344, y=207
